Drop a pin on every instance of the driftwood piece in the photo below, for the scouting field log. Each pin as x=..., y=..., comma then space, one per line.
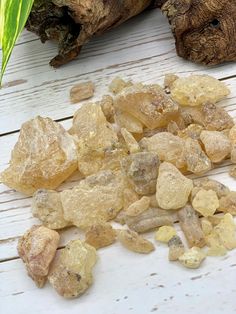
x=73, y=22
x=204, y=30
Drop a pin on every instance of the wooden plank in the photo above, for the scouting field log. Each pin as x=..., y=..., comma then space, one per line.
x=142, y=49
x=125, y=282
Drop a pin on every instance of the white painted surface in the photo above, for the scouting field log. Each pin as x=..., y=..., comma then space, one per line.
x=141, y=49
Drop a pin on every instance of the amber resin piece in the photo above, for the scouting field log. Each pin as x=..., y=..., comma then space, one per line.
x=216, y=248
x=176, y=248
x=150, y=219
x=209, y=184
x=81, y=91
x=192, y=258
x=96, y=199
x=193, y=131
x=71, y=271
x=191, y=226
x=192, y=115
x=216, y=144
x=37, y=248
x=169, y=79
x=118, y=84
x=107, y=107
x=206, y=202
x=167, y=146
x=141, y=170
x=216, y=118
x=47, y=206
x=44, y=156
x=196, y=90
x=228, y=203
x=173, y=189
x=196, y=160
x=147, y=103
x=226, y=231
x=127, y=121
x=134, y=242
x=130, y=141
x=138, y=207
x=100, y=235
x=206, y=226
x=165, y=233
x=129, y=197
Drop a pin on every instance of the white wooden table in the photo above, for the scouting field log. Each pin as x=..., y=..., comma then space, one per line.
x=124, y=282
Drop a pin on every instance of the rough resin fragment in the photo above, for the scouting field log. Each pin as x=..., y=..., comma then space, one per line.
x=192, y=115
x=100, y=235
x=138, y=207
x=206, y=226
x=107, y=107
x=176, y=248
x=216, y=118
x=147, y=103
x=196, y=90
x=118, y=84
x=37, y=248
x=228, y=203
x=173, y=189
x=165, y=233
x=127, y=121
x=71, y=271
x=191, y=226
x=210, y=184
x=192, y=258
x=167, y=146
x=193, y=131
x=197, y=161
x=134, y=242
x=81, y=91
x=168, y=81
x=44, y=156
x=141, y=170
x=96, y=199
x=217, y=145
x=131, y=143
x=150, y=219
x=226, y=231
x=129, y=197
x=216, y=248
x=206, y=202
x=47, y=206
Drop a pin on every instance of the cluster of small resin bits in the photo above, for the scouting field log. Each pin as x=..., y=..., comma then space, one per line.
x=133, y=150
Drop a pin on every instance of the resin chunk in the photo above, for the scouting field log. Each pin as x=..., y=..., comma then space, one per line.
x=37, y=248
x=96, y=199
x=167, y=146
x=147, y=103
x=191, y=226
x=165, y=233
x=44, y=156
x=100, y=235
x=197, y=161
x=141, y=170
x=192, y=258
x=134, y=242
x=206, y=202
x=217, y=145
x=216, y=118
x=196, y=90
x=176, y=248
x=47, y=206
x=71, y=271
x=173, y=189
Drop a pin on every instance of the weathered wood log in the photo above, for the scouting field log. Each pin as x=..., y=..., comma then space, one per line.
x=74, y=22
x=204, y=30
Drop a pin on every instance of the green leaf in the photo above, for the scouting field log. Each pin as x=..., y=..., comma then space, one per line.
x=13, y=16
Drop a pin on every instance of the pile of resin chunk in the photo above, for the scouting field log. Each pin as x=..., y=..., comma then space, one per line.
x=134, y=150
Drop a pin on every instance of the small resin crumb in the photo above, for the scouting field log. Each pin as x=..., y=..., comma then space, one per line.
x=81, y=91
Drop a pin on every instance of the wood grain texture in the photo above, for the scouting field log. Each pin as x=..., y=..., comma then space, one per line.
x=143, y=50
